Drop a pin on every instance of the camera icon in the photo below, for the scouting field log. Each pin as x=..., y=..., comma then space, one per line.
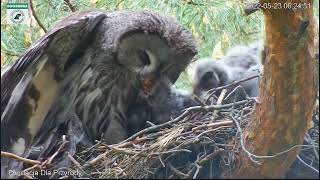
x=17, y=13
x=17, y=16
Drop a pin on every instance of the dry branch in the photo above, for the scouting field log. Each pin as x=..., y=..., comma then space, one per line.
x=213, y=125
x=25, y=160
x=232, y=84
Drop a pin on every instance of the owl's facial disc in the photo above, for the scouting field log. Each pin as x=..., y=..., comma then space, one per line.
x=150, y=58
x=148, y=70
x=148, y=62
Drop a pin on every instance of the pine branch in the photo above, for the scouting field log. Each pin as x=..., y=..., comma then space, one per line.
x=10, y=53
x=70, y=5
x=36, y=17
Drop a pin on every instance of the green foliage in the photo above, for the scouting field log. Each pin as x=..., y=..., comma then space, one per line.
x=216, y=24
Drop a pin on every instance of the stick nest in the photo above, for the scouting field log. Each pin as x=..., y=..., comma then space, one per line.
x=203, y=142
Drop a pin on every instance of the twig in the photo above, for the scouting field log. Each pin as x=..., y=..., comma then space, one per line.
x=251, y=156
x=170, y=151
x=75, y=162
x=94, y=146
x=211, y=130
x=216, y=107
x=25, y=160
x=201, y=162
x=212, y=125
x=36, y=166
x=128, y=152
x=97, y=159
x=209, y=157
x=26, y=174
x=177, y=172
x=57, y=152
x=222, y=95
x=196, y=98
x=130, y=143
x=157, y=127
x=311, y=167
x=70, y=5
x=121, y=145
x=236, y=90
x=232, y=84
x=198, y=168
x=36, y=17
x=150, y=123
x=160, y=159
x=64, y=177
x=314, y=147
x=219, y=101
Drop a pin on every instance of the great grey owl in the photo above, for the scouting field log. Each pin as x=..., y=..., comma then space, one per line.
x=91, y=67
x=240, y=62
x=161, y=106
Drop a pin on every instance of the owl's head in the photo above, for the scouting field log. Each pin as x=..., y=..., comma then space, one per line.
x=209, y=74
x=244, y=56
x=150, y=45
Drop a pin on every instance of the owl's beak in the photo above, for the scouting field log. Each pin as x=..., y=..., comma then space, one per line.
x=150, y=80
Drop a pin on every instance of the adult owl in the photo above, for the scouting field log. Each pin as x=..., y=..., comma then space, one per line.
x=91, y=67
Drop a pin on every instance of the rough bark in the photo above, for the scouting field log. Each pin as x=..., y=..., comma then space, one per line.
x=288, y=90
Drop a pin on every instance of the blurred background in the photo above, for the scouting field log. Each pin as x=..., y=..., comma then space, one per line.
x=216, y=24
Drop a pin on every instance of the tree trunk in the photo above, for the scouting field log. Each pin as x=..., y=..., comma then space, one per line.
x=288, y=90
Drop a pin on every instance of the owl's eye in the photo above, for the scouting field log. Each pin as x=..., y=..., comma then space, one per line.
x=207, y=77
x=144, y=57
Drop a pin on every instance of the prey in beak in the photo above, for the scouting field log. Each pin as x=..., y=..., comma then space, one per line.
x=149, y=83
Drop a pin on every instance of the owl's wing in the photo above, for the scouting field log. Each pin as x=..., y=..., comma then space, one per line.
x=29, y=87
